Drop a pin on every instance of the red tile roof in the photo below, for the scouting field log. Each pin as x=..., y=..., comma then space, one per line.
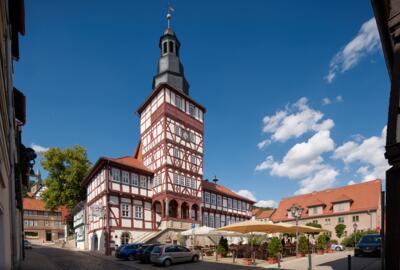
x=131, y=162
x=260, y=213
x=213, y=187
x=38, y=205
x=364, y=196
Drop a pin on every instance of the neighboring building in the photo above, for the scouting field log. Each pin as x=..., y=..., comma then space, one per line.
x=263, y=215
x=79, y=225
x=222, y=207
x=43, y=225
x=15, y=159
x=358, y=203
x=159, y=190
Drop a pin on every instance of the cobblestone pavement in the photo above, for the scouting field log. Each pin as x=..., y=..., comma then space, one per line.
x=50, y=258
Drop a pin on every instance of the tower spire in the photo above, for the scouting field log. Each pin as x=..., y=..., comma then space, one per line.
x=169, y=14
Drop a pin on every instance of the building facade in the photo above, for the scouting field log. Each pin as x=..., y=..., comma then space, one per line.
x=159, y=190
x=40, y=224
x=353, y=204
x=15, y=159
x=79, y=226
x=263, y=214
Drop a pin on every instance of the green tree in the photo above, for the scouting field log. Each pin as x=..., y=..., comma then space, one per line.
x=303, y=244
x=339, y=229
x=274, y=247
x=66, y=170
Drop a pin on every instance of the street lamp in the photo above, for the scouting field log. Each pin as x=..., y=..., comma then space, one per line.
x=296, y=211
x=355, y=236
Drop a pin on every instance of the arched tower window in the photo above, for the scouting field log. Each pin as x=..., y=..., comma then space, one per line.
x=171, y=47
x=165, y=50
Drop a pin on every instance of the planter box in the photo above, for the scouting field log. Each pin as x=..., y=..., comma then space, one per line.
x=320, y=252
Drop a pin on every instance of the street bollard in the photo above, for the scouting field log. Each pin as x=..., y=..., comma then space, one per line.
x=309, y=261
x=279, y=260
x=234, y=256
x=348, y=262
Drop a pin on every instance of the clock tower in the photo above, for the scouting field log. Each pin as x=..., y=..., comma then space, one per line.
x=171, y=132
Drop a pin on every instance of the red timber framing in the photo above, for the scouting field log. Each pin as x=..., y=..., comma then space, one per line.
x=159, y=141
x=114, y=189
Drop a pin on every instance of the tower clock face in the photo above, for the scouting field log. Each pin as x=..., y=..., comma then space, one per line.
x=185, y=135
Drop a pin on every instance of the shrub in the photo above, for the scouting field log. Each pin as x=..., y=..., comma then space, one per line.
x=322, y=242
x=349, y=240
x=315, y=225
x=221, y=250
x=256, y=240
x=339, y=229
x=224, y=243
x=303, y=244
x=274, y=247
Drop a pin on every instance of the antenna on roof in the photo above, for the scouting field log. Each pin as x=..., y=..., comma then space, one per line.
x=215, y=180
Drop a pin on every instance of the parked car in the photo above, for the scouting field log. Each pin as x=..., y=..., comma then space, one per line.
x=169, y=254
x=143, y=253
x=27, y=244
x=128, y=252
x=337, y=247
x=118, y=250
x=369, y=244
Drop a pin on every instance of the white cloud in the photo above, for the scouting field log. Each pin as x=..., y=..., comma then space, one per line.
x=366, y=41
x=39, y=149
x=339, y=98
x=294, y=121
x=326, y=101
x=369, y=152
x=263, y=144
x=266, y=203
x=351, y=183
x=262, y=203
x=247, y=194
x=302, y=159
x=323, y=179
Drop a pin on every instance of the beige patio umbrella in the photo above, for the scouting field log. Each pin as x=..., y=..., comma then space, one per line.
x=290, y=228
x=254, y=226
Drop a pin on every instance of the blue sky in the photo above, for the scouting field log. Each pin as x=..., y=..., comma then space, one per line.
x=307, y=80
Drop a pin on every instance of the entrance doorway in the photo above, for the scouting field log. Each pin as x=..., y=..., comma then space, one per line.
x=48, y=236
x=95, y=243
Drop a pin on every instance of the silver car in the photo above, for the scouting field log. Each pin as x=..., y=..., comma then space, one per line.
x=169, y=254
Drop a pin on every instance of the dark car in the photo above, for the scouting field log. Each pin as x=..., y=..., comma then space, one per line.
x=128, y=252
x=27, y=244
x=143, y=253
x=118, y=250
x=369, y=244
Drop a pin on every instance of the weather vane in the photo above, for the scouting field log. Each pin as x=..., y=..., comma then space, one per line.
x=169, y=13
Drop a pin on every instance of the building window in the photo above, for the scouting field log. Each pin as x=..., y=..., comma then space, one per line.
x=211, y=221
x=125, y=177
x=193, y=159
x=192, y=137
x=213, y=199
x=192, y=110
x=143, y=181
x=327, y=221
x=165, y=47
x=138, y=211
x=56, y=224
x=234, y=204
x=115, y=175
x=46, y=223
x=314, y=210
x=194, y=183
x=171, y=47
x=315, y=221
x=176, y=153
x=217, y=221
x=207, y=197
x=125, y=237
x=205, y=218
x=46, y=214
x=219, y=200
x=176, y=179
x=187, y=181
x=340, y=219
x=125, y=210
x=26, y=223
x=177, y=131
x=356, y=219
x=178, y=102
x=181, y=180
x=230, y=203
x=135, y=179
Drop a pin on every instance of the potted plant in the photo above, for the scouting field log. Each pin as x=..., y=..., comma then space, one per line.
x=327, y=244
x=247, y=260
x=321, y=244
x=274, y=247
x=221, y=251
x=303, y=246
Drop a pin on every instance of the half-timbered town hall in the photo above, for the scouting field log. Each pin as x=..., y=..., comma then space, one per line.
x=160, y=190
